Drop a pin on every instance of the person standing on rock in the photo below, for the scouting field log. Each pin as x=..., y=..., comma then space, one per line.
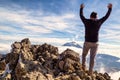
x=92, y=27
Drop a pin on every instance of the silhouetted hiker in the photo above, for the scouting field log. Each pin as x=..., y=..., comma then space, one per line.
x=92, y=27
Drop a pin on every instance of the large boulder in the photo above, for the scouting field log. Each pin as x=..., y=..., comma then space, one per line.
x=2, y=62
x=69, y=61
x=2, y=65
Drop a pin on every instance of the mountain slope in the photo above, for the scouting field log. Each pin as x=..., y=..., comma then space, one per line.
x=110, y=63
x=72, y=44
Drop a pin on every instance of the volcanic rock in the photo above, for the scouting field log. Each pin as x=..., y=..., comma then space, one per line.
x=26, y=61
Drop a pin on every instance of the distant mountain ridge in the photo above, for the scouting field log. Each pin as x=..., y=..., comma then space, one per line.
x=109, y=62
x=72, y=44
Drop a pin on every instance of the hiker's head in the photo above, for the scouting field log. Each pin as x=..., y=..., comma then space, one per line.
x=93, y=15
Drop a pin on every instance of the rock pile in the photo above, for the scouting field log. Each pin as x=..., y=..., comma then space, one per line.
x=43, y=62
x=2, y=62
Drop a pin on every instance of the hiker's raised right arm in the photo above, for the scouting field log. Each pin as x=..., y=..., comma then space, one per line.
x=81, y=12
x=108, y=13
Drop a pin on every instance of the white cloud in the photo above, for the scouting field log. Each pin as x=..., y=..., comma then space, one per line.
x=118, y=60
x=10, y=37
x=37, y=29
x=102, y=69
x=56, y=41
x=110, y=49
x=8, y=29
x=11, y=15
x=51, y=23
x=57, y=22
x=34, y=40
x=4, y=48
x=26, y=20
x=35, y=24
x=111, y=34
x=115, y=75
x=68, y=16
x=63, y=48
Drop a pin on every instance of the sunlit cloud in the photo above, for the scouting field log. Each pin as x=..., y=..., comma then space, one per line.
x=37, y=29
x=115, y=75
x=13, y=16
x=8, y=29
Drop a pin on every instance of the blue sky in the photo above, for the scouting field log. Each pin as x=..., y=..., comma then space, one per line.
x=55, y=21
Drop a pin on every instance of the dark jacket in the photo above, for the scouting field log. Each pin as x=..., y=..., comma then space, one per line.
x=92, y=26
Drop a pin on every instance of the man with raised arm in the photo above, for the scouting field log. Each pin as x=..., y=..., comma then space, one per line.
x=92, y=27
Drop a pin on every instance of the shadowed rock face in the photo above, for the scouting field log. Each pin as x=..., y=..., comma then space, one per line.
x=43, y=62
x=2, y=62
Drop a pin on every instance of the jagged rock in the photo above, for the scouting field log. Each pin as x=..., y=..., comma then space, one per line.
x=88, y=78
x=8, y=77
x=2, y=65
x=1, y=57
x=43, y=62
x=33, y=66
x=100, y=77
x=34, y=48
x=26, y=55
x=106, y=76
x=20, y=69
x=49, y=77
x=61, y=65
x=16, y=45
x=63, y=77
x=70, y=54
x=12, y=59
x=34, y=75
x=69, y=65
x=75, y=77
x=51, y=49
x=81, y=74
x=69, y=61
x=26, y=43
x=68, y=77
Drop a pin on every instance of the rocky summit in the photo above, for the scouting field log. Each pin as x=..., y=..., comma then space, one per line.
x=43, y=62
